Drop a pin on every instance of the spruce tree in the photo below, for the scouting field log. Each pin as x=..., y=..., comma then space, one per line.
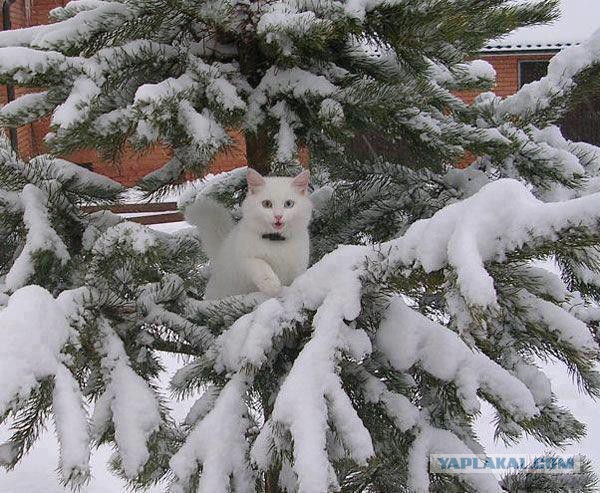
x=423, y=296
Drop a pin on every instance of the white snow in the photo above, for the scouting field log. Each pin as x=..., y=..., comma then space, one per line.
x=218, y=88
x=432, y=440
x=218, y=443
x=79, y=28
x=282, y=19
x=73, y=7
x=502, y=216
x=312, y=387
x=72, y=430
x=407, y=338
x=133, y=404
x=398, y=407
x=332, y=111
x=202, y=406
x=536, y=381
x=277, y=82
x=167, y=88
x=565, y=326
x=81, y=177
x=359, y=8
x=27, y=103
x=250, y=338
x=140, y=237
x=286, y=138
x=480, y=69
x=77, y=105
x=34, y=329
x=24, y=64
x=41, y=236
x=149, y=298
x=202, y=127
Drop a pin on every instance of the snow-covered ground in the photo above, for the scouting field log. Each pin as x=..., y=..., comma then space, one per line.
x=37, y=472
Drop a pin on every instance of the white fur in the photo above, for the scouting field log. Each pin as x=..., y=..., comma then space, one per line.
x=241, y=260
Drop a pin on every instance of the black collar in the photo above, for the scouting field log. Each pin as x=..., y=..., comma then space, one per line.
x=273, y=237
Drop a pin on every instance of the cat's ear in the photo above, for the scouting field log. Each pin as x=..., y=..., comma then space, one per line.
x=255, y=180
x=300, y=182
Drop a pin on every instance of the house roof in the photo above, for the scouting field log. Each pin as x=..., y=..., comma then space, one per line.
x=500, y=46
x=579, y=20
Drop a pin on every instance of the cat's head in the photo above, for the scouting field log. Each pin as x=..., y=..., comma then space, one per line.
x=277, y=204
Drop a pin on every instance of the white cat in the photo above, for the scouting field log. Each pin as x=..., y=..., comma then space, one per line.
x=268, y=248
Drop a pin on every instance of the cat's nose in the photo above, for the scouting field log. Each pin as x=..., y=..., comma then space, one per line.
x=278, y=217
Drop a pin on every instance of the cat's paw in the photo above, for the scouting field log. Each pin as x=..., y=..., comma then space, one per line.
x=270, y=286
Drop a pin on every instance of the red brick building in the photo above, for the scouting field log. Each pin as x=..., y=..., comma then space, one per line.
x=515, y=65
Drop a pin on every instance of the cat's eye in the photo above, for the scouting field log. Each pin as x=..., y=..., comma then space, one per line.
x=288, y=204
x=267, y=204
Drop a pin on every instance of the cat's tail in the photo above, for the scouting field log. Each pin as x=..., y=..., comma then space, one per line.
x=213, y=221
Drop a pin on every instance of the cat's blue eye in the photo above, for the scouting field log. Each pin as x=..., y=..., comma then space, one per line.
x=288, y=204
x=267, y=204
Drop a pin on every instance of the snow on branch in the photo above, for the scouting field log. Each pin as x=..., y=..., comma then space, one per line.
x=164, y=91
x=397, y=406
x=213, y=185
x=133, y=404
x=73, y=7
x=295, y=83
x=114, y=58
x=566, y=327
x=250, y=339
x=218, y=88
x=312, y=390
x=218, y=443
x=79, y=28
x=407, y=338
x=34, y=330
x=202, y=128
x=282, y=23
x=286, y=139
x=502, y=217
x=25, y=65
x=140, y=238
x=560, y=81
x=26, y=109
x=475, y=72
x=41, y=237
x=150, y=298
x=72, y=429
x=76, y=107
x=431, y=440
x=75, y=177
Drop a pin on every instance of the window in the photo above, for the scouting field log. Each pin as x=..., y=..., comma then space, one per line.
x=530, y=71
x=582, y=123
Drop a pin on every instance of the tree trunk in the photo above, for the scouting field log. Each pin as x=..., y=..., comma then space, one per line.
x=258, y=151
x=271, y=483
x=253, y=66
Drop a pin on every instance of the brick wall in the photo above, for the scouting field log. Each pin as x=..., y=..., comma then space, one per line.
x=20, y=16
